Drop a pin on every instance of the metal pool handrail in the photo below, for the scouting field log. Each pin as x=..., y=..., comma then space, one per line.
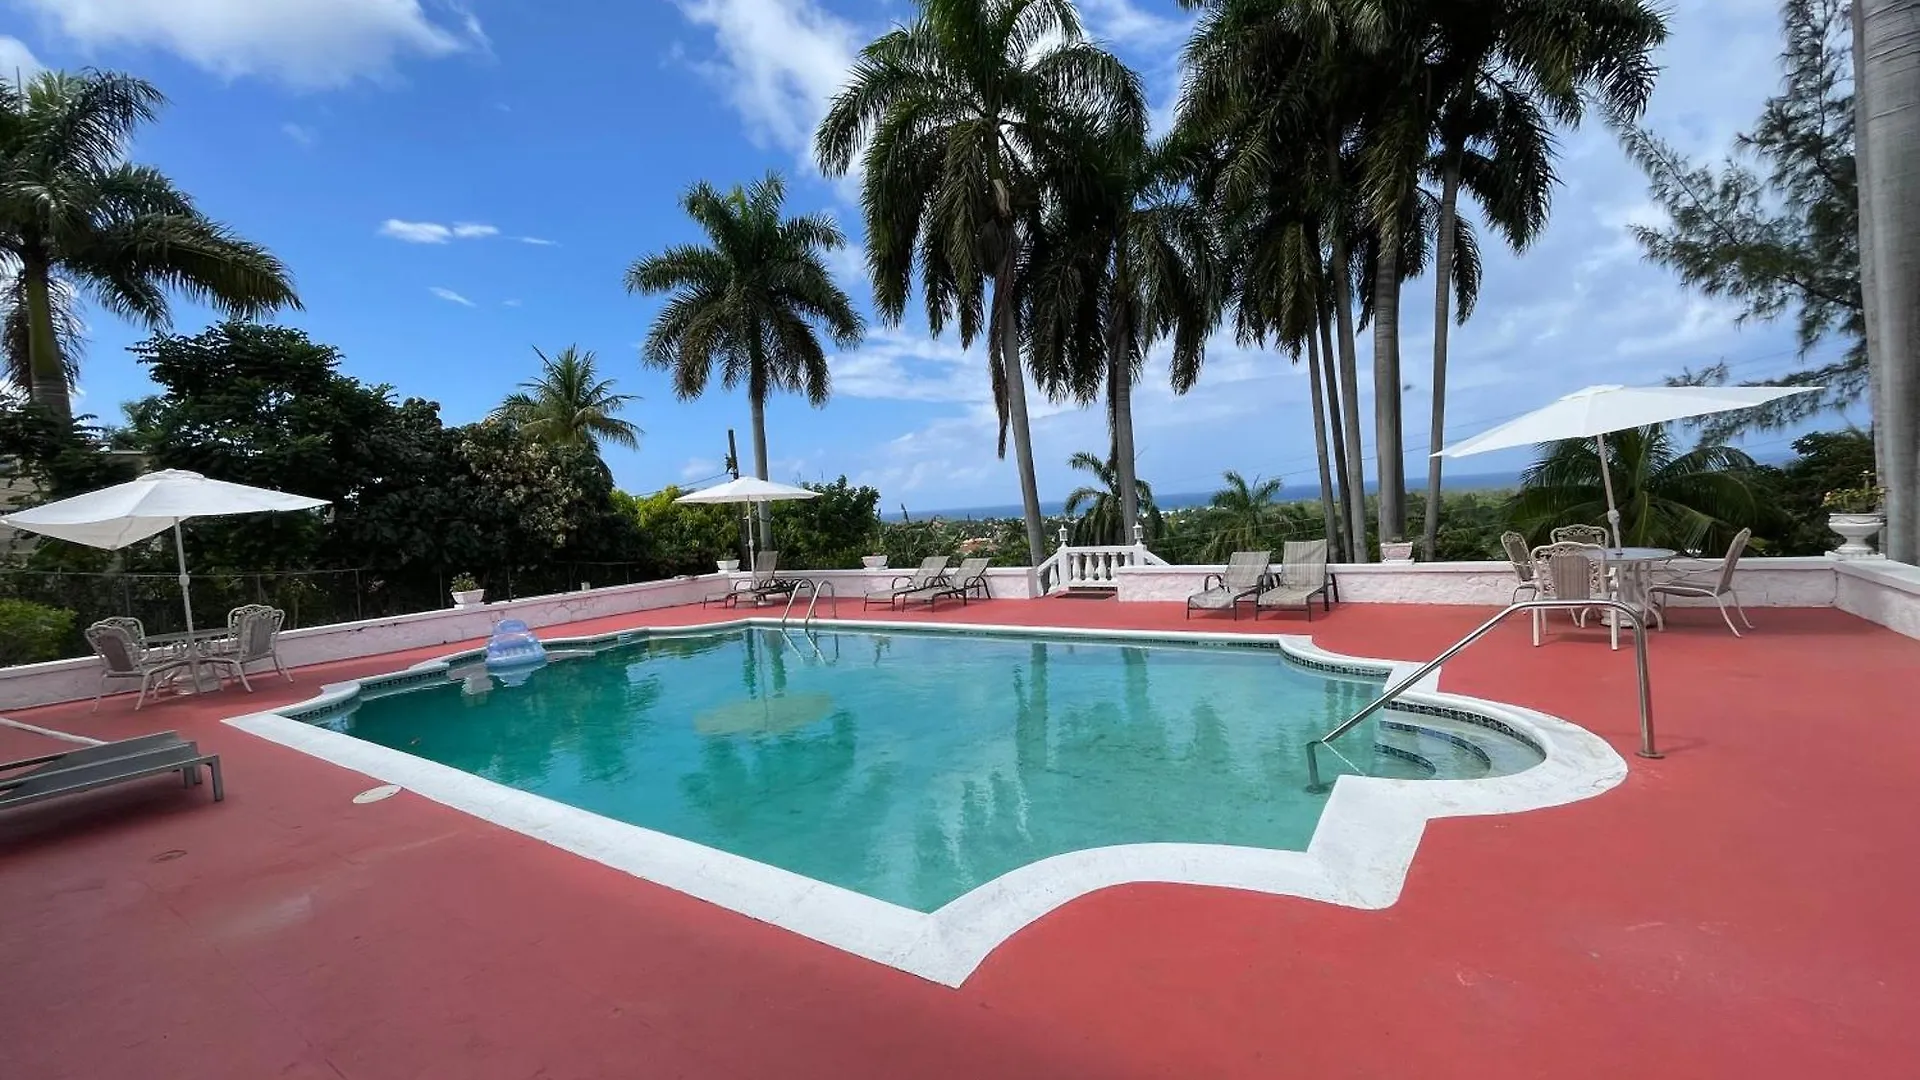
x=1646, y=750
x=814, y=587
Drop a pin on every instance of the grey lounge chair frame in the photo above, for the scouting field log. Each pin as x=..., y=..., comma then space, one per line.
x=1303, y=576
x=1713, y=583
x=932, y=572
x=127, y=656
x=107, y=764
x=1246, y=572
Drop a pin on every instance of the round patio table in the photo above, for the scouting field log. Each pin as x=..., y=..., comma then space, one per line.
x=1632, y=564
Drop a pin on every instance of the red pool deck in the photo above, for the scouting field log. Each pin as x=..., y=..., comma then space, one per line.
x=1746, y=907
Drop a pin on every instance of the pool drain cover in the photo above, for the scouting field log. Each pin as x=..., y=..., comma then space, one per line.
x=372, y=795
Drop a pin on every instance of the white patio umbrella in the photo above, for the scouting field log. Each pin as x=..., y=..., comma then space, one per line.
x=747, y=489
x=131, y=512
x=1597, y=410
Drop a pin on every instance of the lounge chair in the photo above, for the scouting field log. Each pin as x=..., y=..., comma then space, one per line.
x=1581, y=534
x=1521, y=559
x=253, y=638
x=127, y=656
x=763, y=582
x=1569, y=571
x=971, y=575
x=106, y=764
x=1712, y=583
x=1246, y=572
x=970, y=578
x=1303, y=576
x=933, y=571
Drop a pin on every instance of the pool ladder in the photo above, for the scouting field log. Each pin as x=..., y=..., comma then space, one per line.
x=1633, y=614
x=814, y=588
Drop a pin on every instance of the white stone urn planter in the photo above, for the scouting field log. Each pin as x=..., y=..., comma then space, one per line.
x=463, y=598
x=1399, y=552
x=727, y=566
x=1855, y=530
x=874, y=562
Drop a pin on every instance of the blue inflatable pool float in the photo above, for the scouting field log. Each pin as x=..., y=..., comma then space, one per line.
x=513, y=647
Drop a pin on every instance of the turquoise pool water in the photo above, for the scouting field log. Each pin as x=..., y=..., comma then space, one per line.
x=908, y=766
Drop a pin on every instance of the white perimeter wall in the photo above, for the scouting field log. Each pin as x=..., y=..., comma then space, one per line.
x=1882, y=592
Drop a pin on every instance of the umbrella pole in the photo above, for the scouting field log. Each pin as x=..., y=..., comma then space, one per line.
x=186, y=601
x=1606, y=479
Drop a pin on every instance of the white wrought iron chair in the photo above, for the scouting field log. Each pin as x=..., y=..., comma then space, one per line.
x=255, y=639
x=124, y=652
x=1595, y=535
x=1569, y=571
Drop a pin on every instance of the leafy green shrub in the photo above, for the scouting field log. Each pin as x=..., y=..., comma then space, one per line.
x=30, y=632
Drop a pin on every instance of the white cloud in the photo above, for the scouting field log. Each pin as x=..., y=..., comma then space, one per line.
x=537, y=241
x=17, y=61
x=699, y=469
x=1120, y=22
x=432, y=232
x=300, y=133
x=510, y=303
x=305, y=44
x=778, y=62
x=450, y=296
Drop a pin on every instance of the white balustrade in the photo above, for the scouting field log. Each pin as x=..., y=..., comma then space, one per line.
x=1091, y=567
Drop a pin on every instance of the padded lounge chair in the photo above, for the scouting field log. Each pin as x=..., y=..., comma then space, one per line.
x=1246, y=572
x=127, y=656
x=99, y=766
x=933, y=571
x=764, y=582
x=969, y=579
x=1303, y=576
x=1714, y=583
x=971, y=575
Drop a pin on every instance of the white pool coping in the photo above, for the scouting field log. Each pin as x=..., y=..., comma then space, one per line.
x=1358, y=856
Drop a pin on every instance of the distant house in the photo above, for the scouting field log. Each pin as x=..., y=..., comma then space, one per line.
x=975, y=545
x=17, y=490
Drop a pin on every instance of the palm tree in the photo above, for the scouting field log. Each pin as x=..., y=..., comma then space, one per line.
x=754, y=298
x=570, y=405
x=974, y=117
x=1691, y=501
x=1096, y=508
x=1242, y=515
x=1127, y=263
x=1274, y=90
x=1498, y=74
x=77, y=217
x=1888, y=155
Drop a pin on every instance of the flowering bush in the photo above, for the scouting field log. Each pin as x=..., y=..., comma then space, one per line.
x=1865, y=499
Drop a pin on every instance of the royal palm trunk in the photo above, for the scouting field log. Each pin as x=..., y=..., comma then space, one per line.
x=1007, y=329
x=1442, y=321
x=1330, y=380
x=1888, y=66
x=1320, y=442
x=1389, y=469
x=49, y=372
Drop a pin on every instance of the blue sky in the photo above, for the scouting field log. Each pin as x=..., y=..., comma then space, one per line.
x=453, y=185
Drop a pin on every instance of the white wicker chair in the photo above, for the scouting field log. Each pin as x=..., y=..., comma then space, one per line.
x=1581, y=534
x=1515, y=546
x=255, y=639
x=122, y=648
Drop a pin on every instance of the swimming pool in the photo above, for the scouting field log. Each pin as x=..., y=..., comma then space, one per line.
x=914, y=767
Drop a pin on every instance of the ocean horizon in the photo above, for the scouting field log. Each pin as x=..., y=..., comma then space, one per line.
x=1185, y=500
